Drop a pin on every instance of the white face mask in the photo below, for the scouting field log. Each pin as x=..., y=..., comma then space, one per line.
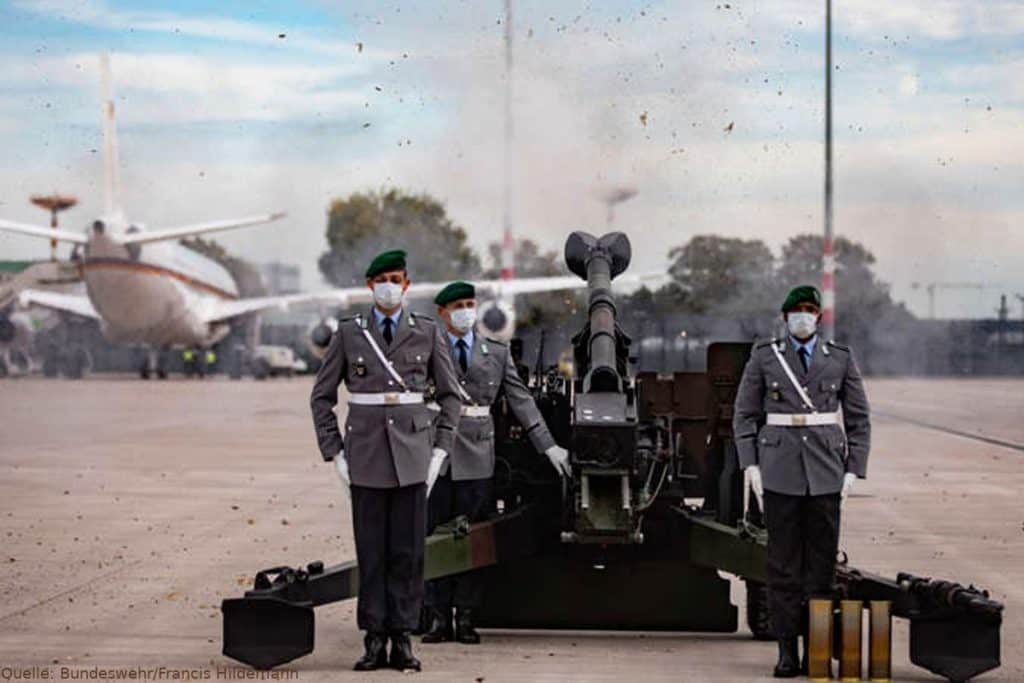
x=387, y=294
x=463, y=319
x=802, y=325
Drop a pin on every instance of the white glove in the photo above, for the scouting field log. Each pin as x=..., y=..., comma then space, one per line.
x=559, y=458
x=434, y=470
x=341, y=467
x=848, y=480
x=752, y=475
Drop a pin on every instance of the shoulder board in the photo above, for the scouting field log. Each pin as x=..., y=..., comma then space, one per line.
x=767, y=342
x=496, y=342
x=347, y=318
x=837, y=345
x=420, y=316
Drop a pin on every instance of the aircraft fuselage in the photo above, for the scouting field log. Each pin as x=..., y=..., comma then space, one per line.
x=152, y=294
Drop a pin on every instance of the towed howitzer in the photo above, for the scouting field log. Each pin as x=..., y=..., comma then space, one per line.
x=638, y=538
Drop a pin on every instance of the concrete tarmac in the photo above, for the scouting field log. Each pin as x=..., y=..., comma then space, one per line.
x=130, y=509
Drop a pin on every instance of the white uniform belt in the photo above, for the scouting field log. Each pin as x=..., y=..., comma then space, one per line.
x=465, y=411
x=475, y=411
x=802, y=419
x=391, y=398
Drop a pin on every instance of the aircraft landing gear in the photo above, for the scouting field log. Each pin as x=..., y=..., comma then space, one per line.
x=154, y=362
x=76, y=362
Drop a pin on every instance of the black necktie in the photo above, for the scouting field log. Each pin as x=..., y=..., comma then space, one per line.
x=804, y=357
x=388, y=322
x=463, y=358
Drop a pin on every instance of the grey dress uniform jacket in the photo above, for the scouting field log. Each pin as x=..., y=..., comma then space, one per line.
x=386, y=446
x=810, y=460
x=491, y=369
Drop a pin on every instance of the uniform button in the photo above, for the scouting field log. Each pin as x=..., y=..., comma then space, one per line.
x=391, y=421
x=391, y=382
x=805, y=438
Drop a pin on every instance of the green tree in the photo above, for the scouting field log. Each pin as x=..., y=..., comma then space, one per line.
x=367, y=223
x=714, y=274
x=862, y=301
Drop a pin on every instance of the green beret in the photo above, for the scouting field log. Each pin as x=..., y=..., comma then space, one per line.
x=455, y=291
x=799, y=295
x=386, y=262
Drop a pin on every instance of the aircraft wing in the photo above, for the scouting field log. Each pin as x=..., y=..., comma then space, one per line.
x=197, y=229
x=348, y=296
x=226, y=309
x=527, y=285
x=78, y=304
x=42, y=231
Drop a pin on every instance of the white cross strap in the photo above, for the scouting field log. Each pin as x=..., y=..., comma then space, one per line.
x=383, y=359
x=792, y=378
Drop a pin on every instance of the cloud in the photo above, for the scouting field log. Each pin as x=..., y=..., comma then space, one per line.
x=886, y=21
x=160, y=88
x=100, y=14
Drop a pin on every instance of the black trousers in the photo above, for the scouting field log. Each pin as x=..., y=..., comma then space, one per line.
x=389, y=527
x=803, y=539
x=449, y=499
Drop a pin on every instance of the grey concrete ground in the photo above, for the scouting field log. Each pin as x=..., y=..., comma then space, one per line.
x=130, y=509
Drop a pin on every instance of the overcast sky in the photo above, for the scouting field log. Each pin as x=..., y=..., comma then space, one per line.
x=237, y=107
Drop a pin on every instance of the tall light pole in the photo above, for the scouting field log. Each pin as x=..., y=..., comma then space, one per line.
x=508, y=247
x=828, y=260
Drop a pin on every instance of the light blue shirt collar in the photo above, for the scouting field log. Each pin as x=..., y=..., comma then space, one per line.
x=810, y=344
x=468, y=338
x=378, y=318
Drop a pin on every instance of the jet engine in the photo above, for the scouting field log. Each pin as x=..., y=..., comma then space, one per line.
x=497, y=319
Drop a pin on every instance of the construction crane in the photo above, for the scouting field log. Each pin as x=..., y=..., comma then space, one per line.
x=930, y=287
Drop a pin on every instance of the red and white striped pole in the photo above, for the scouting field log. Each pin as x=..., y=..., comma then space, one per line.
x=828, y=261
x=508, y=255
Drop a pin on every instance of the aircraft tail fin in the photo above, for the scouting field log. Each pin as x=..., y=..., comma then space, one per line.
x=111, y=163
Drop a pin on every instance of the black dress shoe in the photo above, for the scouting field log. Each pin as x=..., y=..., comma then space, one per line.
x=464, y=631
x=788, y=665
x=376, y=655
x=439, y=629
x=401, y=653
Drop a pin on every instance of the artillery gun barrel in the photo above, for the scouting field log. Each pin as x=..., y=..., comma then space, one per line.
x=602, y=317
x=599, y=261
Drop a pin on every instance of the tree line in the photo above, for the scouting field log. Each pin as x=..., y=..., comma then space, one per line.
x=709, y=276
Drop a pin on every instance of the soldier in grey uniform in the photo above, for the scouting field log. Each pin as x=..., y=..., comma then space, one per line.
x=389, y=455
x=484, y=368
x=803, y=433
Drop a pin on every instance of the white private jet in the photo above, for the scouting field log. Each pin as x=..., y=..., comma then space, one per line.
x=142, y=285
